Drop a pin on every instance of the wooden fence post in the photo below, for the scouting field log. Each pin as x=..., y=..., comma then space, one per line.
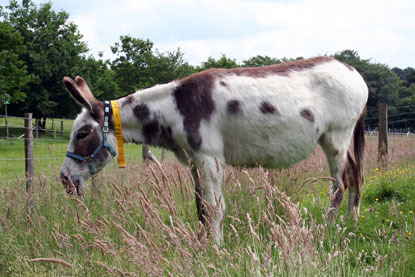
x=383, y=135
x=29, y=170
x=61, y=128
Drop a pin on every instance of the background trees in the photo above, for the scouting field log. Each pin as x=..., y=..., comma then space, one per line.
x=131, y=66
x=139, y=66
x=51, y=48
x=385, y=86
x=39, y=46
x=13, y=71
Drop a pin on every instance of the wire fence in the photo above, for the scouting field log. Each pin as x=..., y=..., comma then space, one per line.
x=401, y=119
x=50, y=146
x=51, y=139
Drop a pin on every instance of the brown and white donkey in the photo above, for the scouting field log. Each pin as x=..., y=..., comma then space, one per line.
x=271, y=116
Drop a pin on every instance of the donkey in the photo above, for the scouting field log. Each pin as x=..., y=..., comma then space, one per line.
x=272, y=116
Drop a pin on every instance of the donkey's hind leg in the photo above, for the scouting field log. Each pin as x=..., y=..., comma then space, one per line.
x=335, y=145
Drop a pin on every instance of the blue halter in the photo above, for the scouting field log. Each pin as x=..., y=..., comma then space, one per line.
x=104, y=143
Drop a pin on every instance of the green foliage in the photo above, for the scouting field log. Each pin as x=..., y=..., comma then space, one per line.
x=170, y=66
x=265, y=60
x=410, y=78
x=260, y=61
x=136, y=223
x=137, y=66
x=13, y=71
x=53, y=48
x=134, y=57
x=384, y=84
x=99, y=76
x=223, y=62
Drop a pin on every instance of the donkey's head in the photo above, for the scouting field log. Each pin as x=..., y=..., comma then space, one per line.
x=90, y=147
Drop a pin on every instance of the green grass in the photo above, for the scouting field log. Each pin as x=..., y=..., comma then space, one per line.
x=49, y=146
x=135, y=221
x=12, y=158
x=52, y=128
x=48, y=154
x=141, y=221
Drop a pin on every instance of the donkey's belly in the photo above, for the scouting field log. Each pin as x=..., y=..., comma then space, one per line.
x=268, y=151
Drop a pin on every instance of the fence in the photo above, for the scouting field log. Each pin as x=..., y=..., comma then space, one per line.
x=50, y=143
x=49, y=147
x=401, y=119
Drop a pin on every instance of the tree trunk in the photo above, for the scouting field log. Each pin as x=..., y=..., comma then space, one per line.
x=40, y=125
x=43, y=124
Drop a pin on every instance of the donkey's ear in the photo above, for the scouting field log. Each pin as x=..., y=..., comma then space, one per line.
x=79, y=91
x=76, y=93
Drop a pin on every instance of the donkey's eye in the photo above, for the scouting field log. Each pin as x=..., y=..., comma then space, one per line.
x=81, y=135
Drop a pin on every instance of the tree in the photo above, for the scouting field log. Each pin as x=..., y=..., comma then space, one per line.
x=13, y=71
x=384, y=85
x=410, y=78
x=132, y=65
x=395, y=87
x=137, y=66
x=259, y=60
x=53, y=49
x=407, y=75
x=100, y=78
x=352, y=58
x=170, y=66
x=223, y=62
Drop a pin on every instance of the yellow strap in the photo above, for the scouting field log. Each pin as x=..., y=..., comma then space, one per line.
x=118, y=133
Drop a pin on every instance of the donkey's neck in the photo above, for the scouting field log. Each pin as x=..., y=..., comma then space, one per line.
x=145, y=113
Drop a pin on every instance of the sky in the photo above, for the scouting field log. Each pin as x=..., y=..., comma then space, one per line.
x=380, y=30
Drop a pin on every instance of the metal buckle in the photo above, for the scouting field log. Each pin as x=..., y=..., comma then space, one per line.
x=105, y=128
x=88, y=159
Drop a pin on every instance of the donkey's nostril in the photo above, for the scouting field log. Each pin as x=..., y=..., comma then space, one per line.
x=64, y=176
x=65, y=179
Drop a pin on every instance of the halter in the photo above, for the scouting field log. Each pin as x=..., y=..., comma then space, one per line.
x=104, y=143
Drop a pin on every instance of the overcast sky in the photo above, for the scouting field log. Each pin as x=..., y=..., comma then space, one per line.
x=378, y=29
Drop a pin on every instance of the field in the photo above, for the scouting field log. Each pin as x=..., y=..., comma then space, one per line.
x=142, y=221
x=48, y=145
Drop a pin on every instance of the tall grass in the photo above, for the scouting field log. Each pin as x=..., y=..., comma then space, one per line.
x=142, y=221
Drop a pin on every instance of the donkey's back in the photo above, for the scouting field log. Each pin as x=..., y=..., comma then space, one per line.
x=275, y=116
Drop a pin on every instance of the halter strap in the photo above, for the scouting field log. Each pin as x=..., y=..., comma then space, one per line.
x=104, y=143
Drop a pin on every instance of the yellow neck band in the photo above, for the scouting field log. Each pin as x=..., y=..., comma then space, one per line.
x=118, y=133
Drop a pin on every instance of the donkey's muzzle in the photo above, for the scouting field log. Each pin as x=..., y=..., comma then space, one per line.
x=71, y=187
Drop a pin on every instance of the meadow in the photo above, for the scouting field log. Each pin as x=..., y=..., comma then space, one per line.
x=142, y=221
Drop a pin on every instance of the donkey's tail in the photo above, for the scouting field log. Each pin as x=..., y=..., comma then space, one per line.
x=359, y=146
x=354, y=166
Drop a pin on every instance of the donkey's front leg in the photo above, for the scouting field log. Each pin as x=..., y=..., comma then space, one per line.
x=208, y=176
